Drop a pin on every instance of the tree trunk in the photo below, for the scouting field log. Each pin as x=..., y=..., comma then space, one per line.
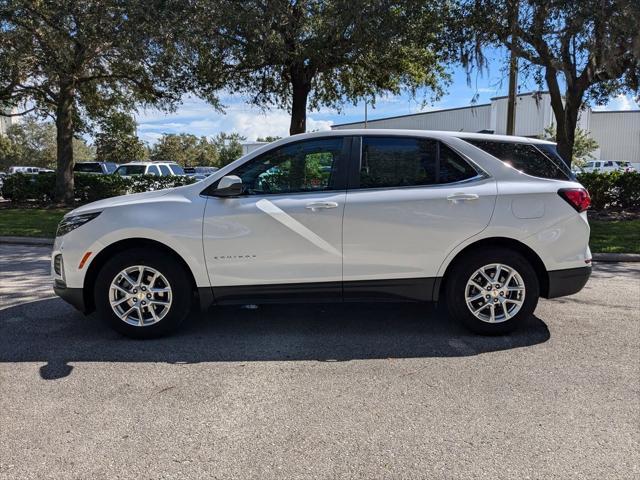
x=566, y=114
x=64, y=138
x=299, y=107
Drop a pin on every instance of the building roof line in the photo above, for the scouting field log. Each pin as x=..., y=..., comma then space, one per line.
x=615, y=111
x=413, y=114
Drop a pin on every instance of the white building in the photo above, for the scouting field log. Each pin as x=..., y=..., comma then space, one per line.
x=248, y=147
x=6, y=122
x=617, y=133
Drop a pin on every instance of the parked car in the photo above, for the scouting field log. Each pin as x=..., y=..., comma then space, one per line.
x=487, y=223
x=101, y=168
x=199, y=173
x=606, y=166
x=22, y=169
x=161, y=169
x=2, y=177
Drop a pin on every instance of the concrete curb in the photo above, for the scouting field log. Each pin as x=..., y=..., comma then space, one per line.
x=27, y=240
x=597, y=257
x=616, y=257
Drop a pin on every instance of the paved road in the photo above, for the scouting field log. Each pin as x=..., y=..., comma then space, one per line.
x=350, y=391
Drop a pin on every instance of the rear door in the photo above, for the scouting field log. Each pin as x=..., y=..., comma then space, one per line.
x=410, y=202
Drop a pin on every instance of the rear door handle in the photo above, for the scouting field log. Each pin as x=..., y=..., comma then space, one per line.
x=315, y=206
x=462, y=197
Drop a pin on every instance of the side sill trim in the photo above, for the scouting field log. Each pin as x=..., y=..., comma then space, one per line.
x=391, y=290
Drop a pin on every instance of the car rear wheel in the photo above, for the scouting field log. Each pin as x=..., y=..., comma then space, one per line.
x=492, y=292
x=142, y=293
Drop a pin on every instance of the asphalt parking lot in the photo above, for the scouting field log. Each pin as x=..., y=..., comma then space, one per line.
x=317, y=391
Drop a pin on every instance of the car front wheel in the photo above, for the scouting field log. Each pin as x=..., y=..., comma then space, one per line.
x=492, y=292
x=142, y=293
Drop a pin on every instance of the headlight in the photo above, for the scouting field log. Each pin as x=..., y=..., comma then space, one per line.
x=69, y=224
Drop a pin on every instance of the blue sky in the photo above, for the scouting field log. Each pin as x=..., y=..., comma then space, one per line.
x=197, y=117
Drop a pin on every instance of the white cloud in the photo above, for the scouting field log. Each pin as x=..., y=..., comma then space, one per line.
x=619, y=102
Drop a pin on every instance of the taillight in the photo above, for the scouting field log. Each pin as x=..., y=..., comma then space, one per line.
x=578, y=198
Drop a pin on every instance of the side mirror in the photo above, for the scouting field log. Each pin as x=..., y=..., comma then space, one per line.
x=229, y=186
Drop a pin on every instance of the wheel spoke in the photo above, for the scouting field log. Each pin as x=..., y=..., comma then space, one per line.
x=475, y=284
x=506, y=311
x=120, y=289
x=515, y=289
x=159, y=290
x=115, y=303
x=510, y=300
x=485, y=276
x=496, y=276
x=158, y=302
x=129, y=280
x=476, y=297
x=493, y=313
x=125, y=315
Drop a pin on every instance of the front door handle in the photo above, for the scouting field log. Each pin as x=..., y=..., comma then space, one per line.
x=462, y=197
x=315, y=206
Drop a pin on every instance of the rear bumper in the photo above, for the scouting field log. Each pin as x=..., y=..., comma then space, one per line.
x=73, y=296
x=567, y=282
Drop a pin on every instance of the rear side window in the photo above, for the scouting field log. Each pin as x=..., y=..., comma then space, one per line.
x=176, y=169
x=165, y=170
x=538, y=161
x=389, y=162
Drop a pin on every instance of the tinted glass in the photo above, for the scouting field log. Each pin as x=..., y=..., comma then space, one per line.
x=165, y=170
x=539, y=161
x=87, y=168
x=176, y=169
x=397, y=162
x=307, y=166
x=453, y=168
x=389, y=162
x=153, y=170
x=130, y=170
x=111, y=167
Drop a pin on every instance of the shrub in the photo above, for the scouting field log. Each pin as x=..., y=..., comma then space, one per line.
x=20, y=188
x=612, y=190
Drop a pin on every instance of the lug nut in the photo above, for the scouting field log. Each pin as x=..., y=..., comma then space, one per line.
x=135, y=300
x=488, y=297
x=144, y=288
x=494, y=301
x=135, y=290
x=148, y=295
x=502, y=294
x=144, y=303
x=489, y=287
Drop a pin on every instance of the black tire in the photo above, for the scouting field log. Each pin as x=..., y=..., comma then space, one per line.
x=171, y=269
x=464, y=268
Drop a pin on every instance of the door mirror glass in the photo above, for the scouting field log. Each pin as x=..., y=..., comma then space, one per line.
x=229, y=186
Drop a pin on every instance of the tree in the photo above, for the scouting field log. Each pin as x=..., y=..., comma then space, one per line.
x=229, y=147
x=185, y=149
x=585, y=51
x=33, y=143
x=309, y=53
x=74, y=61
x=267, y=139
x=117, y=141
x=583, y=145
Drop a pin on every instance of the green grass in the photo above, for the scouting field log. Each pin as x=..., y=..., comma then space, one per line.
x=606, y=236
x=30, y=222
x=621, y=236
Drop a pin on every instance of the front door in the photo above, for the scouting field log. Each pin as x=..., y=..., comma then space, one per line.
x=283, y=236
x=410, y=202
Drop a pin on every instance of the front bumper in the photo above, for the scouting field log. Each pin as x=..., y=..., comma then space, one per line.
x=568, y=281
x=73, y=296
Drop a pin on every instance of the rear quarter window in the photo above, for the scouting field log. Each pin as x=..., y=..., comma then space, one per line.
x=536, y=160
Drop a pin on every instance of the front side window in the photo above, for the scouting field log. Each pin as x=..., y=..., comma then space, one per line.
x=306, y=166
x=538, y=161
x=165, y=170
x=389, y=162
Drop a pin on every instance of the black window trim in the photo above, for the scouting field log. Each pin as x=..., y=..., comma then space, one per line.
x=356, y=164
x=339, y=181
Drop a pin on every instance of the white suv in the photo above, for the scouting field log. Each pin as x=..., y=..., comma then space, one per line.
x=485, y=222
x=161, y=169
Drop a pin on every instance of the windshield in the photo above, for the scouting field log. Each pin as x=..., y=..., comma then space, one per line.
x=130, y=170
x=623, y=164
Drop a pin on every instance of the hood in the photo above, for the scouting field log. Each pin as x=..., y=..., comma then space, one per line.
x=122, y=200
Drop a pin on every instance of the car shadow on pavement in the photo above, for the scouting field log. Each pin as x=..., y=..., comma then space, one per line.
x=51, y=331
